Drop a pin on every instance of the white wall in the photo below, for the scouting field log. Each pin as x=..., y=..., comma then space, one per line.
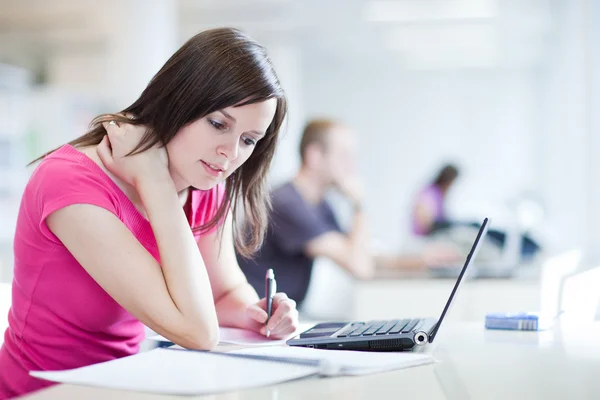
x=567, y=141
x=286, y=59
x=78, y=72
x=592, y=38
x=410, y=122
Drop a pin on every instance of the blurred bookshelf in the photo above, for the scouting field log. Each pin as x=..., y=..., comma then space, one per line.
x=15, y=87
x=34, y=119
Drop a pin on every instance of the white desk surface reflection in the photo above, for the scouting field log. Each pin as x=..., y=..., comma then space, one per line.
x=474, y=363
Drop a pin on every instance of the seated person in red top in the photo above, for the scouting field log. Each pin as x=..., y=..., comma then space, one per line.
x=132, y=223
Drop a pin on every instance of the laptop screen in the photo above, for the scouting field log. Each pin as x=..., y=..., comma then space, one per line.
x=471, y=256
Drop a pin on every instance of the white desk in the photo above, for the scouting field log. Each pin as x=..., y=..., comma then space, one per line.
x=474, y=364
x=401, y=294
x=426, y=297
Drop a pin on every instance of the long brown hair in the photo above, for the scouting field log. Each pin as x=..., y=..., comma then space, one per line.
x=446, y=176
x=215, y=69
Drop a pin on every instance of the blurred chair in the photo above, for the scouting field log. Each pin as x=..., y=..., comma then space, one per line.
x=5, y=301
x=148, y=344
x=554, y=270
x=330, y=292
x=580, y=298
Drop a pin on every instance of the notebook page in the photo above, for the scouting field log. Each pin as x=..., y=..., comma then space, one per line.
x=245, y=337
x=180, y=373
x=344, y=362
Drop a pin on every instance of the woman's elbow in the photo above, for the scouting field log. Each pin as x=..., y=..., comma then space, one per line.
x=202, y=339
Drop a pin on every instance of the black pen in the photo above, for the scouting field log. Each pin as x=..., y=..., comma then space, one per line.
x=270, y=289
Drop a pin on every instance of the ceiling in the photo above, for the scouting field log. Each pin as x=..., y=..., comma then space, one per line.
x=414, y=33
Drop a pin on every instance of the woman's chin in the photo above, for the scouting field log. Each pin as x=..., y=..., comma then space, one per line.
x=205, y=184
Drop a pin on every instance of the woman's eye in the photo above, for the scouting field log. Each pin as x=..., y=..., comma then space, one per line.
x=216, y=124
x=249, y=141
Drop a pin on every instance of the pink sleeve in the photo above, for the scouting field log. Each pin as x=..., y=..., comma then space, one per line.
x=60, y=183
x=205, y=204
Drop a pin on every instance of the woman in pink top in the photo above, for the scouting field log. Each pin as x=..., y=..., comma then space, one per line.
x=134, y=222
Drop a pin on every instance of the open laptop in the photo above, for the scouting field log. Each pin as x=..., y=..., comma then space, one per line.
x=393, y=335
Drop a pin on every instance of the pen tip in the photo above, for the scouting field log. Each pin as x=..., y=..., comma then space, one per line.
x=268, y=333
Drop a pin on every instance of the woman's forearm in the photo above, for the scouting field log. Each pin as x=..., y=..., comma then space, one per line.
x=182, y=264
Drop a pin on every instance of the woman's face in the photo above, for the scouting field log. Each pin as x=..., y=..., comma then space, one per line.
x=205, y=152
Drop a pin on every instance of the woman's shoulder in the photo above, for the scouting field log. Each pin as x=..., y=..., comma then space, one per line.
x=66, y=162
x=430, y=191
x=68, y=172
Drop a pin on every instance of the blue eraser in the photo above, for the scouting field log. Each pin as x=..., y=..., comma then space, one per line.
x=523, y=321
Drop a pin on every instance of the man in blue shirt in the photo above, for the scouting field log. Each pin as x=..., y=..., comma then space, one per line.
x=302, y=224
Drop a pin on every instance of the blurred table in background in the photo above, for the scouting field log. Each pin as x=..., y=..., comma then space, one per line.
x=334, y=294
x=394, y=294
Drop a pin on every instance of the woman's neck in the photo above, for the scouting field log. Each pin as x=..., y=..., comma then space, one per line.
x=126, y=188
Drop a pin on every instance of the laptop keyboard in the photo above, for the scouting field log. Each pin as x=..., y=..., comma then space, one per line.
x=376, y=328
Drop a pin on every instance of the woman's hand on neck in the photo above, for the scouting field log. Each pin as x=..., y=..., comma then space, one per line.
x=126, y=188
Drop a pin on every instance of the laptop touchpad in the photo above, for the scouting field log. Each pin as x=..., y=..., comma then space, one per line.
x=323, y=330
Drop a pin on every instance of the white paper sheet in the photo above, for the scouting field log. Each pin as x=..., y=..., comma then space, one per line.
x=180, y=372
x=345, y=362
x=244, y=337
